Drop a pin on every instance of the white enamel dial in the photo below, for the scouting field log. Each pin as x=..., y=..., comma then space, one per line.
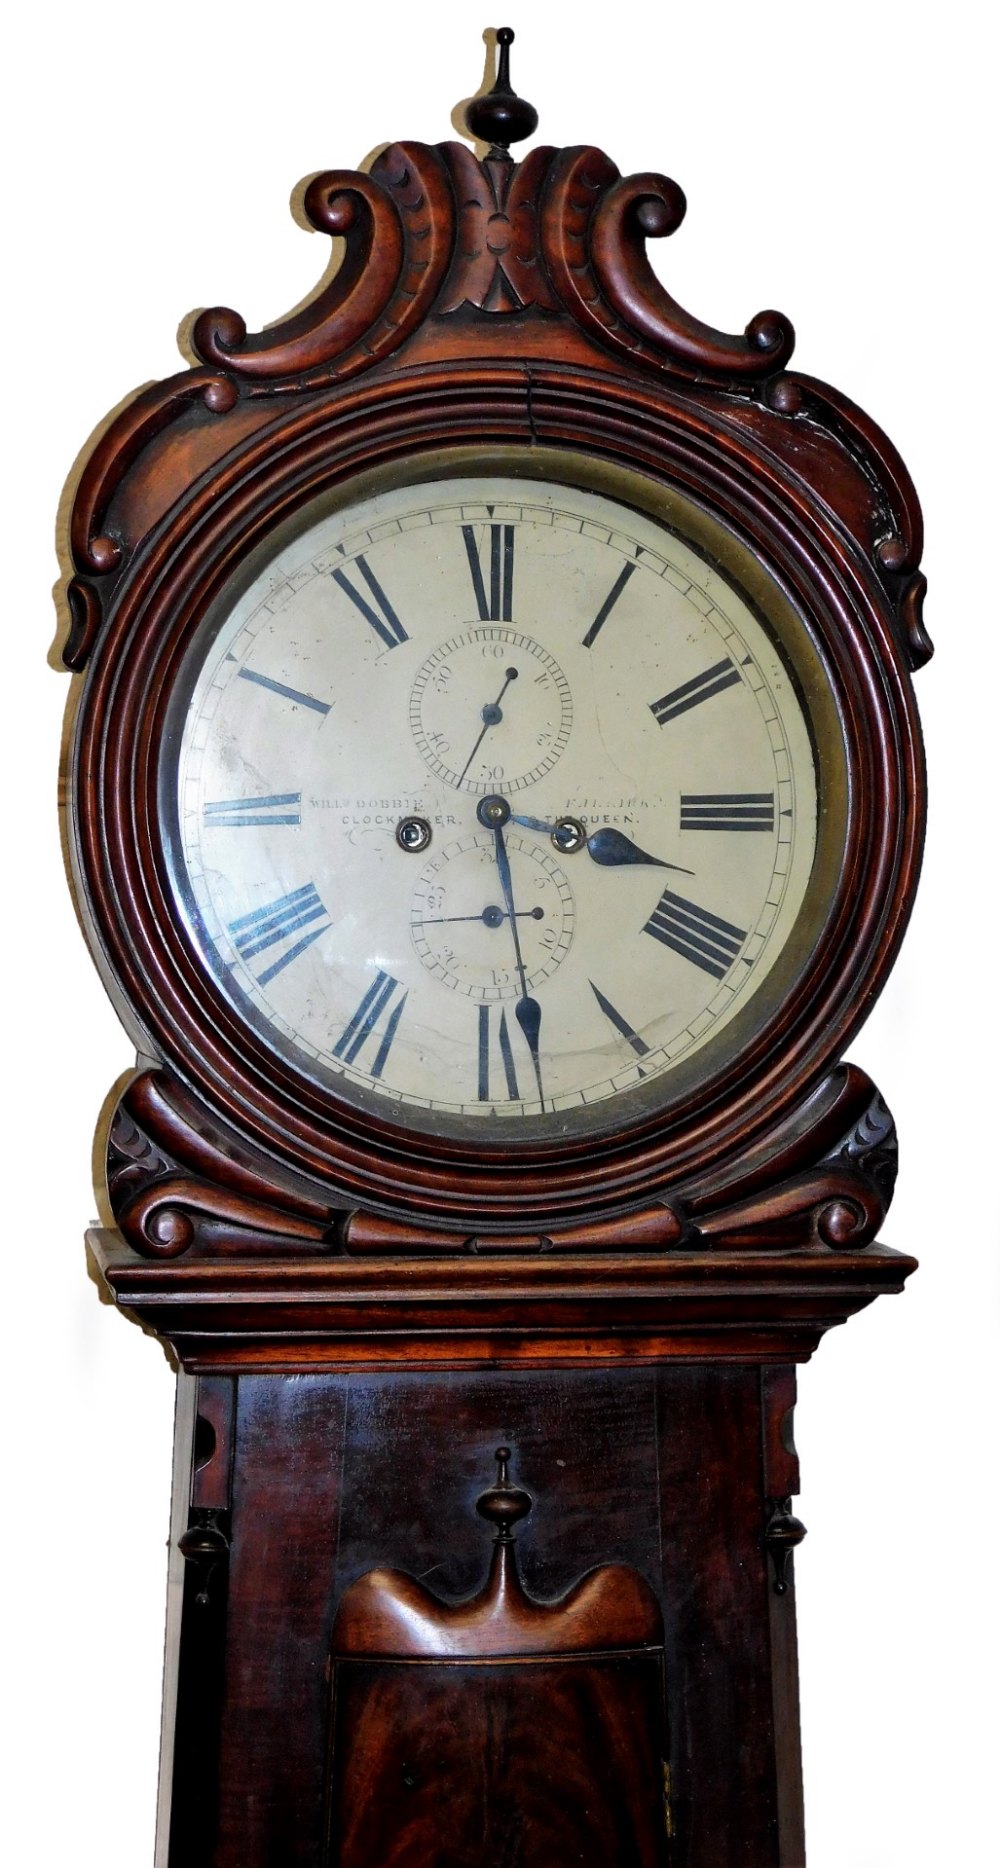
x=609, y=770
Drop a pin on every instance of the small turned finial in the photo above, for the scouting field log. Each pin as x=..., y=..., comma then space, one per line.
x=503, y=1504
x=500, y=117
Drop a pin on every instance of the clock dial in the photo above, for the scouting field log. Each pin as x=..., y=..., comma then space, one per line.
x=491, y=797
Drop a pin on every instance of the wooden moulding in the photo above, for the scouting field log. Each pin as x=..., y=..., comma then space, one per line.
x=336, y=1313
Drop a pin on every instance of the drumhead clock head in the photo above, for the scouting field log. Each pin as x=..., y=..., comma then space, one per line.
x=496, y=786
x=595, y=741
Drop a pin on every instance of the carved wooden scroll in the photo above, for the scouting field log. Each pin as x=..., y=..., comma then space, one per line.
x=500, y=1730
x=177, y=1184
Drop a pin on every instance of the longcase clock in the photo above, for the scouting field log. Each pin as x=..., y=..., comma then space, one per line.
x=496, y=801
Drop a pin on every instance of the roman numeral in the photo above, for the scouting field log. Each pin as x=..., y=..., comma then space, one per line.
x=287, y=693
x=282, y=807
x=692, y=693
x=727, y=810
x=365, y=1022
x=506, y=1056
x=267, y=927
x=495, y=604
x=620, y=1024
x=383, y=618
x=608, y=605
x=703, y=938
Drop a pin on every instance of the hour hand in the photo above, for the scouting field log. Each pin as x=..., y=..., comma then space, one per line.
x=607, y=846
x=612, y=847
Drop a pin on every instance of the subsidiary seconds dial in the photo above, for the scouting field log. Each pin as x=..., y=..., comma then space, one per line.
x=474, y=727
x=493, y=799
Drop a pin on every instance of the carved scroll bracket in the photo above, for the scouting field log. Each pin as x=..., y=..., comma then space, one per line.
x=899, y=537
x=398, y=225
x=595, y=225
x=175, y=1184
x=823, y=1180
x=783, y=1532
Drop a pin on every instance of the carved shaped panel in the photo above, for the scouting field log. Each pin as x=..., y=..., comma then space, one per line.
x=499, y=1729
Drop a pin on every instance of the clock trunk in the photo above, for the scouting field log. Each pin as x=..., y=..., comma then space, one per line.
x=350, y=1709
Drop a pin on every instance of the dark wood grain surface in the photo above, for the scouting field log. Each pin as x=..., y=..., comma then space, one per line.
x=656, y=1472
x=498, y=1726
x=467, y=1766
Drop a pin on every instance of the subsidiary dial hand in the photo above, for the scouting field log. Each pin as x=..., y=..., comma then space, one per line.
x=491, y=917
x=490, y=716
x=607, y=846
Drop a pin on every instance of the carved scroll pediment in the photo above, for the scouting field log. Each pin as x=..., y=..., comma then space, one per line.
x=433, y=230
x=443, y=253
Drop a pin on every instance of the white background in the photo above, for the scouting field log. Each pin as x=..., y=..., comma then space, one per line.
x=836, y=165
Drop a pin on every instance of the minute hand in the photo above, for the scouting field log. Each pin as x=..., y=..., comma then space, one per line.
x=527, y=1011
x=607, y=846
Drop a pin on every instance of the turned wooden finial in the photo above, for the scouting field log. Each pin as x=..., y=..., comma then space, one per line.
x=503, y=1504
x=500, y=117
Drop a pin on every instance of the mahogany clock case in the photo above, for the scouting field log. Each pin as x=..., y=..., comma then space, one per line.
x=362, y=1322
